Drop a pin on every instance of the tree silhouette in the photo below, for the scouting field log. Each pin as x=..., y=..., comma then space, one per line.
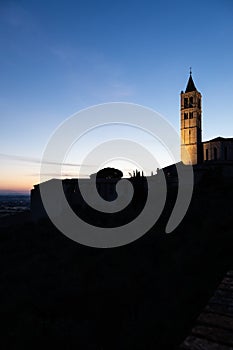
x=109, y=173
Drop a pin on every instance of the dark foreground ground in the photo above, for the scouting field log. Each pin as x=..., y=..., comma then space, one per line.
x=146, y=295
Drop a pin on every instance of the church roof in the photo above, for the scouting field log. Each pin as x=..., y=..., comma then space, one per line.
x=190, y=86
x=219, y=138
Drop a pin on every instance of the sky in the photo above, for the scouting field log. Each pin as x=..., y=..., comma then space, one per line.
x=59, y=57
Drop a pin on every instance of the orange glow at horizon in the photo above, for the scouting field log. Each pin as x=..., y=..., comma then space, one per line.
x=18, y=184
x=17, y=177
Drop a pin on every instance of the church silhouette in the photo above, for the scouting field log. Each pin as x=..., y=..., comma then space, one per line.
x=210, y=160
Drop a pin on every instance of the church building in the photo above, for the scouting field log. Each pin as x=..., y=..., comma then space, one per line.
x=193, y=149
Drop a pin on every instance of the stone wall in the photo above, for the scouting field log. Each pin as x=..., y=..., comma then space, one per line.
x=218, y=150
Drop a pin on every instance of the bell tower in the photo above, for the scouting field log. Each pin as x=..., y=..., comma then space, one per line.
x=190, y=111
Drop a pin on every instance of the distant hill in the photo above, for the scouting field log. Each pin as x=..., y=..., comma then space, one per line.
x=14, y=193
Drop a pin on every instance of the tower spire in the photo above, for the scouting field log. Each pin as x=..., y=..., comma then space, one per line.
x=190, y=86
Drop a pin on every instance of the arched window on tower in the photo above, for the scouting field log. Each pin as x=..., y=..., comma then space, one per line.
x=185, y=115
x=185, y=102
x=190, y=101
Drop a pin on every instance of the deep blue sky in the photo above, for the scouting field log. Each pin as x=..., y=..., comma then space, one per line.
x=58, y=57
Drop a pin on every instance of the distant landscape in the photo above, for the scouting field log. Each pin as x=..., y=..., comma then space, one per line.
x=13, y=203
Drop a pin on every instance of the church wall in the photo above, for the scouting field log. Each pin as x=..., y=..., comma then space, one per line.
x=219, y=150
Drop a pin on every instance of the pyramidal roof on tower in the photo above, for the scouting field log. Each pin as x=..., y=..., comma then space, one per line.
x=190, y=86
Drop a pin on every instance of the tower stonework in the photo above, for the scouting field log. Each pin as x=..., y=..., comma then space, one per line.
x=191, y=136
